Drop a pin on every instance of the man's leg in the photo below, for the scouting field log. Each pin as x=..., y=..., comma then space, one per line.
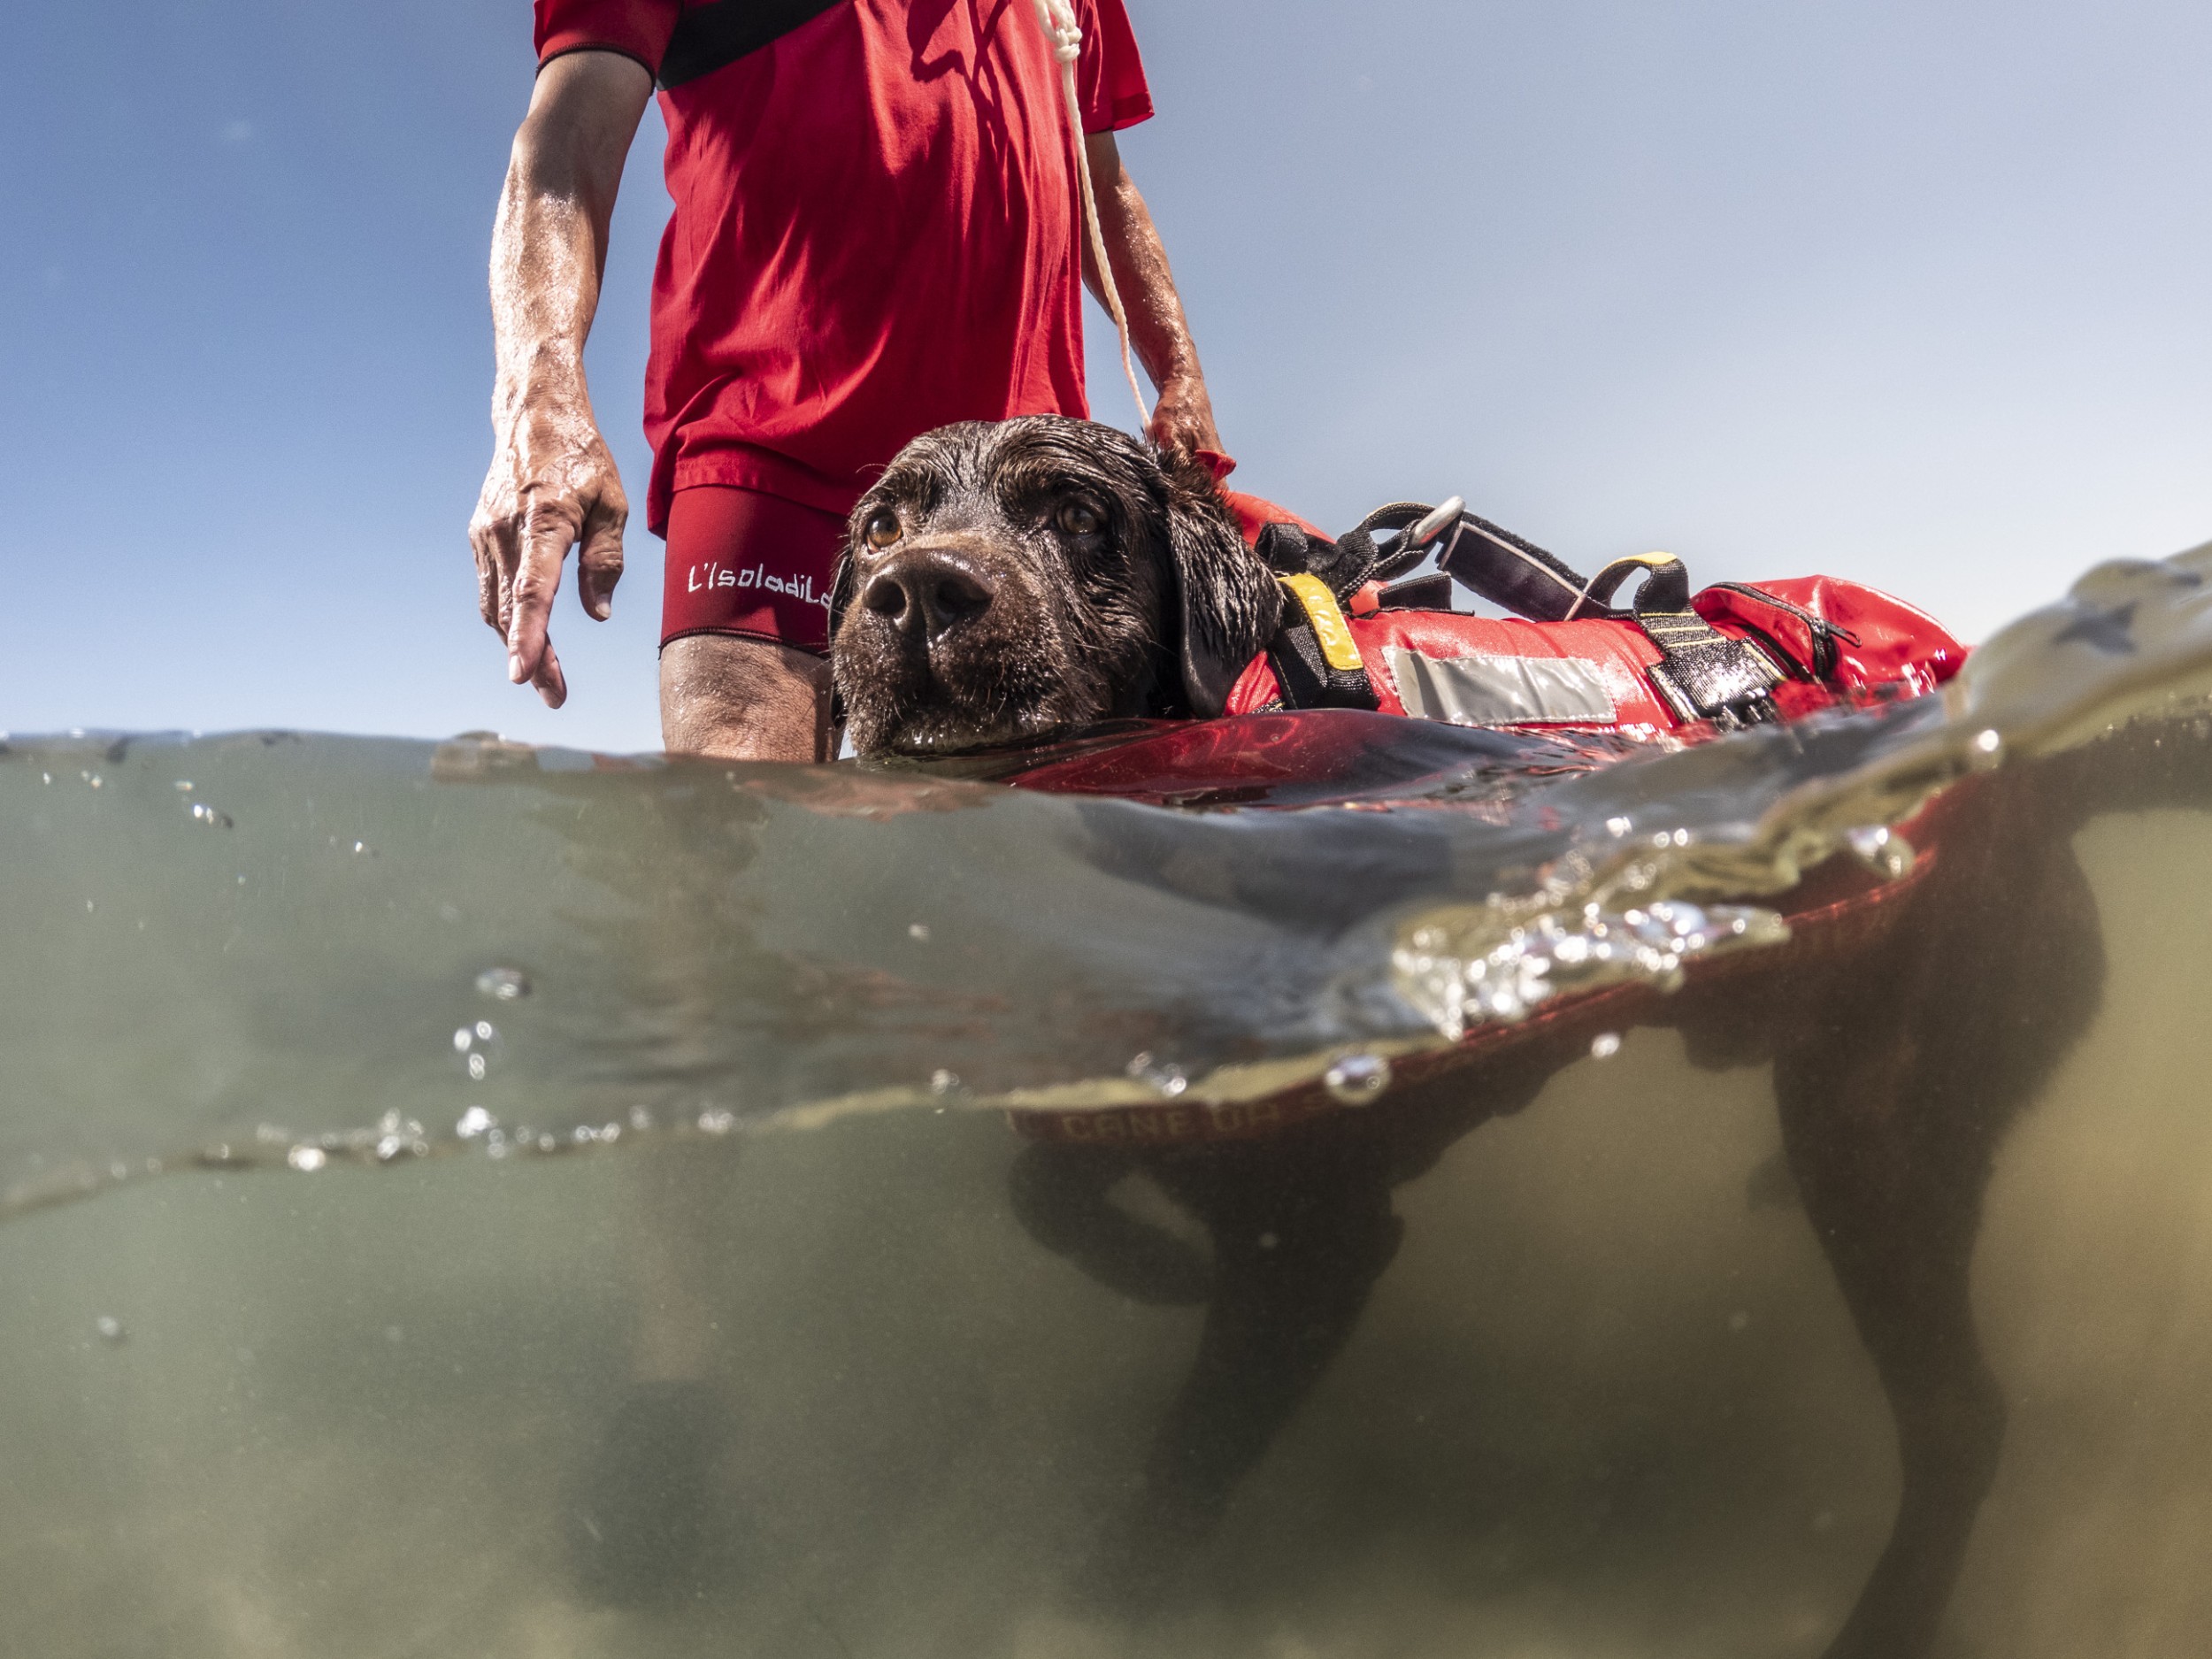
x=733, y=699
x=742, y=699
x=745, y=623
x=644, y=1507
x=644, y=1504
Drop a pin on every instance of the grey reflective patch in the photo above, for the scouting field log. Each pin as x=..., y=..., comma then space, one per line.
x=1483, y=689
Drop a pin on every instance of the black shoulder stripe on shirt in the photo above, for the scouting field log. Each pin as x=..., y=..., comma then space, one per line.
x=714, y=35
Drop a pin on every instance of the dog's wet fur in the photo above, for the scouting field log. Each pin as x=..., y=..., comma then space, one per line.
x=1002, y=581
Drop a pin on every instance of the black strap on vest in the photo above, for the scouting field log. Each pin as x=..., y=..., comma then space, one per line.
x=1343, y=566
x=1316, y=573
x=1703, y=673
x=1508, y=570
x=1305, y=678
x=710, y=37
x=1433, y=591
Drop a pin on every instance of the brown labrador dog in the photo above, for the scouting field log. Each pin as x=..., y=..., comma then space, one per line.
x=1007, y=580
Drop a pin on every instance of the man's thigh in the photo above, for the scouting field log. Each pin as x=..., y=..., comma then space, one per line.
x=744, y=623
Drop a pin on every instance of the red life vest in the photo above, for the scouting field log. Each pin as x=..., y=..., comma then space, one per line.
x=1828, y=638
x=1820, y=639
x=1823, y=641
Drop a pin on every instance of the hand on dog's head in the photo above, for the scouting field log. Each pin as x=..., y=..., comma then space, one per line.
x=1004, y=580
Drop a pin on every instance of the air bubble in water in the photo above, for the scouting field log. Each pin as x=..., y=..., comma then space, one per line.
x=1605, y=1045
x=1882, y=850
x=307, y=1160
x=943, y=1082
x=479, y=1046
x=1357, y=1079
x=474, y=1122
x=1163, y=1075
x=1456, y=985
x=917, y=931
x=111, y=1330
x=203, y=813
x=503, y=985
x=399, y=1137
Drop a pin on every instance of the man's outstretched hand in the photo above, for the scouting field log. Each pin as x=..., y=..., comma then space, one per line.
x=552, y=485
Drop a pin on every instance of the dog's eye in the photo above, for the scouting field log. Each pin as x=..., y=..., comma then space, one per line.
x=1077, y=518
x=882, y=529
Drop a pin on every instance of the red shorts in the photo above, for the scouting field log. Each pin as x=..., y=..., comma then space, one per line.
x=742, y=561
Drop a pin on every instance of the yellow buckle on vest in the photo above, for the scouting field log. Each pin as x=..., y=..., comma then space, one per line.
x=1330, y=632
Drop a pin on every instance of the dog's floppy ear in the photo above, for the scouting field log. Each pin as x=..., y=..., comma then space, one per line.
x=841, y=589
x=1222, y=600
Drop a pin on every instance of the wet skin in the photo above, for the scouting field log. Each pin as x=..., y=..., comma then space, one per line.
x=553, y=485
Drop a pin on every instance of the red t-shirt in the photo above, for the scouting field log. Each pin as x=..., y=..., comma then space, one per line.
x=875, y=233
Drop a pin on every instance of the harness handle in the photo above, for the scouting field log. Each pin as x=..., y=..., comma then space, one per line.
x=1666, y=585
x=1703, y=674
x=1489, y=560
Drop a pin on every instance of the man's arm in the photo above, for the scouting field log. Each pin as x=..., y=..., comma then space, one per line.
x=1183, y=415
x=552, y=482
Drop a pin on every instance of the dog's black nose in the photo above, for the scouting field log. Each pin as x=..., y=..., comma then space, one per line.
x=931, y=591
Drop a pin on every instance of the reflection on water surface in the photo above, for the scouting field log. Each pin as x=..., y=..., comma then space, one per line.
x=1647, y=1330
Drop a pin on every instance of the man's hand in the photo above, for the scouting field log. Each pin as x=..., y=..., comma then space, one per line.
x=552, y=484
x=1183, y=416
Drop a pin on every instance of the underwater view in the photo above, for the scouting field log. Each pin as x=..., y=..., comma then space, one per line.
x=1463, y=1191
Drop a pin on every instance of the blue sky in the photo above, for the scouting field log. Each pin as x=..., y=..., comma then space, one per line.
x=1916, y=294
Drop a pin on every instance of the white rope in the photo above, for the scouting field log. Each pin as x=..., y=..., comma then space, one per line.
x=1057, y=19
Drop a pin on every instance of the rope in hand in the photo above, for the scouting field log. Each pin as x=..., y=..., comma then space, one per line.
x=1057, y=19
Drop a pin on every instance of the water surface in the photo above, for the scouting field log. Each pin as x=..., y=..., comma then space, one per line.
x=467, y=1198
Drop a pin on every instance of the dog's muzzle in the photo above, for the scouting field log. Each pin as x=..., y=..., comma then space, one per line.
x=926, y=593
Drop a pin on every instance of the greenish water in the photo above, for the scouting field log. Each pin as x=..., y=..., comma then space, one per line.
x=718, y=1310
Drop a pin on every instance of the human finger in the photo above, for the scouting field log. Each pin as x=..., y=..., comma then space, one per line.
x=551, y=683
x=546, y=539
x=599, y=562
x=486, y=576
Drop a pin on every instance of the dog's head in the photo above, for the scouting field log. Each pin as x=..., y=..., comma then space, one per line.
x=1004, y=581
